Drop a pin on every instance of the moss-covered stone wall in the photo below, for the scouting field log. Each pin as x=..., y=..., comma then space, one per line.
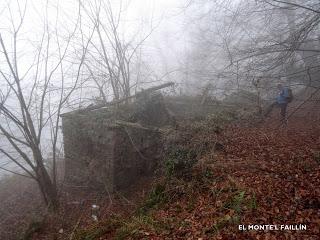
x=101, y=154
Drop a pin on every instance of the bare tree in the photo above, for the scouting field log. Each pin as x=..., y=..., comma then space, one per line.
x=34, y=96
x=111, y=56
x=261, y=40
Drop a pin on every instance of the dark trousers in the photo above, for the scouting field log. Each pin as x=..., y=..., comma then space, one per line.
x=283, y=110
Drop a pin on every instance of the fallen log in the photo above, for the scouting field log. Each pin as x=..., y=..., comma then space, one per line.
x=102, y=105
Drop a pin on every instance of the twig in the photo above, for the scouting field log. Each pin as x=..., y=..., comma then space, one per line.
x=133, y=144
x=75, y=227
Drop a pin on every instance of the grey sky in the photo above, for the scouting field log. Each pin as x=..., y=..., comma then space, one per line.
x=161, y=50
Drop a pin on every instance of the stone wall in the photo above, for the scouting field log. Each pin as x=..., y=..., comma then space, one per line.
x=136, y=153
x=100, y=154
x=89, y=149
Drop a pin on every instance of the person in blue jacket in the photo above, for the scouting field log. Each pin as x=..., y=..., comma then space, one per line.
x=283, y=98
x=282, y=101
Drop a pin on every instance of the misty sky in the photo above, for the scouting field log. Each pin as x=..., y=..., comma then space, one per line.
x=166, y=19
x=161, y=50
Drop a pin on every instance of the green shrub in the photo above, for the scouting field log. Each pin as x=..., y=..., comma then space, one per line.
x=34, y=226
x=252, y=204
x=236, y=202
x=98, y=230
x=156, y=196
x=179, y=159
x=316, y=157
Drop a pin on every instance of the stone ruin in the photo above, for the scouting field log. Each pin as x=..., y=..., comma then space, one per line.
x=109, y=148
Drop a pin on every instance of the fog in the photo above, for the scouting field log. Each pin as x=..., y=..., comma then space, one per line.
x=159, y=119
x=59, y=56
x=162, y=20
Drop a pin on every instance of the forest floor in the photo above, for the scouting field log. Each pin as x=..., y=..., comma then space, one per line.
x=244, y=175
x=262, y=176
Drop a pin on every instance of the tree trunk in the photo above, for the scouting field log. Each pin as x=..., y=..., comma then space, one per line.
x=47, y=187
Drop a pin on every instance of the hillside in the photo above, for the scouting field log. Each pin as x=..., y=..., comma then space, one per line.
x=140, y=119
x=215, y=177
